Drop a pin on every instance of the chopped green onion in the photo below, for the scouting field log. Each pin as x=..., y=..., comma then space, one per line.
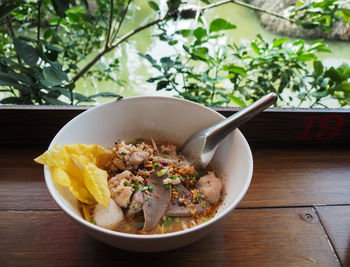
x=147, y=198
x=149, y=188
x=197, y=176
x=155, y=165
x=93, y=221
x=139, y=226
x=167, y=223
x=136, y=186
x=205, y=219
x=162, y=172
x=126, y=183
x=166, y=156
x=204, y=206
x=173, y=177
x=176, y=219
x=167, y=186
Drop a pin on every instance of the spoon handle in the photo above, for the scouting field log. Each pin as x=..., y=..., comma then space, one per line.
x=219, y=131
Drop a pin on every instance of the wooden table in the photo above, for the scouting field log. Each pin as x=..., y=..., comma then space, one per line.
x=296, y=213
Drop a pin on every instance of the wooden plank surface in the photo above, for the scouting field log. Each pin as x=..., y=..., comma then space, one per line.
x=262, y=237
x=336, y=220
x=39, y=124
x=299, y=177
x=282, y=177
x=22, y=184
x=275, y=224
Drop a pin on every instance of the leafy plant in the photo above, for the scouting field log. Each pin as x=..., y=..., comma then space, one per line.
x=216, y=75
x=43, y=44
x=319, y=14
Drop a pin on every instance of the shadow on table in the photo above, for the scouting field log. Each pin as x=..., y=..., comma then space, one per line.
x=196, y=254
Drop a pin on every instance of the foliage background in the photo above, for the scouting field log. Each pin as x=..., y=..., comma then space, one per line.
x=47, y=46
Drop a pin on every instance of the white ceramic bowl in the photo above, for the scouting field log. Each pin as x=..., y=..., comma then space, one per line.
x=163, y=118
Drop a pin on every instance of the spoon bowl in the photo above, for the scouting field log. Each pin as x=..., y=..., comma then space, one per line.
x=201, y=146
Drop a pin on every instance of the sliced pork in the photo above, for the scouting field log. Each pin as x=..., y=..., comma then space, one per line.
x=156, y=203
x=183, y=205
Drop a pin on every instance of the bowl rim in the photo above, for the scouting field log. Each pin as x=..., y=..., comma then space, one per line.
x=51, y=186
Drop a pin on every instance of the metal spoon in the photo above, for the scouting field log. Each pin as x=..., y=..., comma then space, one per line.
x=201, y=146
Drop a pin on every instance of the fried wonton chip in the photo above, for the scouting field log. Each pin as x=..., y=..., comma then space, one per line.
x=56, y=157
x=76, y=186
x=74, y=166
x=95, y=154
x=95, y=180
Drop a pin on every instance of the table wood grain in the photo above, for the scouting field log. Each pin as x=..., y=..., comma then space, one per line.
x=336, y=220
x=296, y=213
x=274, y=237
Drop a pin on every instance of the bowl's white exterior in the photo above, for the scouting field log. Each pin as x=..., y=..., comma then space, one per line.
x=162, y=118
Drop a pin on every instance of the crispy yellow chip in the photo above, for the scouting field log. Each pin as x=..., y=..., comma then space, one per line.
x=95, y=154
x=86, y=153
x=60, y=177
x=75, y=166
x=80, y=192
x=73, y=179
x=95, y=180
x=56, y=157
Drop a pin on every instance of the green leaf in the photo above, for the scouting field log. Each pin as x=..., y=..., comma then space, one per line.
x=255, y=48
x=153, y=79
x=11, y=100
x=184, y=33
x=48, y=33
x=60, y=7
x=307, y=57
x=153, y=5
x=25, y=52
x=82, y=98
x=236, y=69
x=161, y=85
x=345, y=13
x=318, y=67
x=53, y=101
x=279, y=42
x=167, y=62
x=333, y=74
x=54, y=75
x=12, y=78
x=61, y=90
x=8, y=6
x=220, y=25
x=148, y=57
x=236, y=100
x=343, y=86
x=199, y=33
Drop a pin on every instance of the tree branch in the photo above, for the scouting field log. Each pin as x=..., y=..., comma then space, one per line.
x=240, y=3
x=167, y=16
x=39, y=20
x=121, y=20
x=12, y=34
x=111, y=6
x=133, y=32
x=107, y=49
